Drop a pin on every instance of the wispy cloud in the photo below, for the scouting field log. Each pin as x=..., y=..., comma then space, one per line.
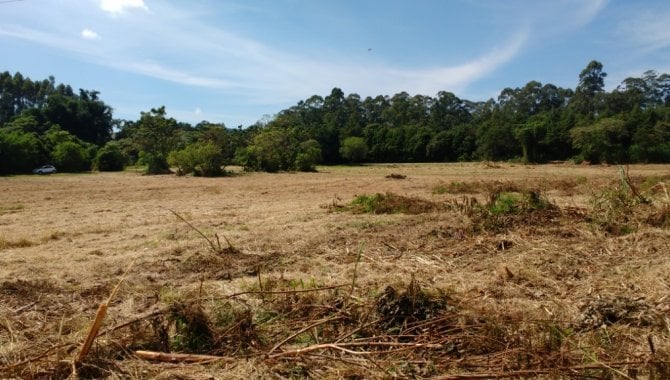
x=224, y=61
x=88, y=34
x=648, y=29
x=586, y=11
x=116, y=7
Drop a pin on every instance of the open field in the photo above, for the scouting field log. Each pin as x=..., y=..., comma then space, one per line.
x=572, y=280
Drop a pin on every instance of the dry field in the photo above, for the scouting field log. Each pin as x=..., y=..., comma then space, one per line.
x=460, y=271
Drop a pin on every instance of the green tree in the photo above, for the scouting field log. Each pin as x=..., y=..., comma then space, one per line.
x=271, y=150
x=156, y=135
x=589, y=99
x=603, y=141
x=354, y=149
x=19, y=151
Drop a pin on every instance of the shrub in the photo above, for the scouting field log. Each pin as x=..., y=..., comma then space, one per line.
x=155, y=162
x=110, y=158
x=71, y=157
x=309, y=154
x=201, y=159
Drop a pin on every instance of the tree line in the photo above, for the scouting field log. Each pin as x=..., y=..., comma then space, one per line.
x=44, y=122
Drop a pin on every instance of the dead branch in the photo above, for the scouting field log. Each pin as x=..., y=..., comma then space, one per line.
x=181, y=358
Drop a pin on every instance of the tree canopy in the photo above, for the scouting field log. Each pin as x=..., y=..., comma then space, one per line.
x=41, y=121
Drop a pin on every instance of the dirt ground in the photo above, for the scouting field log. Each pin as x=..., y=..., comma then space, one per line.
x=280, y=276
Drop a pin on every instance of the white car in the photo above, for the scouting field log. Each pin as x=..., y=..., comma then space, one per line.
x=46, y=169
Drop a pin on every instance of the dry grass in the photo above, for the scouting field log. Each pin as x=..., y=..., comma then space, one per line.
x=466, y=288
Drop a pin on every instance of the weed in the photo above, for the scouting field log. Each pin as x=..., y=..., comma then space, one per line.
x=612, y=211
x=21, y=243
x=391, y=203
x=396, y=309
x=504, y=203
x=11, y=208
x=457, y=188
x=192, y=328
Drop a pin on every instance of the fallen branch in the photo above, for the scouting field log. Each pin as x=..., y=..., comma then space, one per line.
x=181, y=358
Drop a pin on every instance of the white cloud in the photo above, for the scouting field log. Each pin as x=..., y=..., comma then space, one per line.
x=198, y=111
x=88, y=34
x=120, y=6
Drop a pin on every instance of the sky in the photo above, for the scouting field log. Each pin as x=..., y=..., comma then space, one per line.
x=240, y=61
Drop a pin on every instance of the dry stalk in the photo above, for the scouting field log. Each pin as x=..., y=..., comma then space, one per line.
x=353, y=279
x=97, y=322
x=215, y=248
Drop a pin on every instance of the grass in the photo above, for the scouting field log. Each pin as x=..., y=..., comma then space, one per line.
x=506, y=280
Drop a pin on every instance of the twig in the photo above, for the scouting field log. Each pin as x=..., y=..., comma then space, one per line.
x=20, y=309
x=544, y=371
x=343, y=347
x=317, y=323
x=281, y=291
x=353, y=280
x=44, y=354
x=625, y=178
x=214, y=248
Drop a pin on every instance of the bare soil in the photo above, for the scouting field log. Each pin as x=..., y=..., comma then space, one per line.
x=290, y=280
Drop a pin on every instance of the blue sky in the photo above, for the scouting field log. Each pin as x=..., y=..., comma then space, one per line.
x=236, y=61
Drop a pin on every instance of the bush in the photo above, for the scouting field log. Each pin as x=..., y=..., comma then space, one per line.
x=201, y=159
x=308, y=156
x=69, y=156
x=155, y=162
x=110, y=158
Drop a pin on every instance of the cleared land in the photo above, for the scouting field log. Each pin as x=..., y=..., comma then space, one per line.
x=458, y=270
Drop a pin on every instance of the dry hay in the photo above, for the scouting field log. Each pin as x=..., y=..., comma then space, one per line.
x=456, y=285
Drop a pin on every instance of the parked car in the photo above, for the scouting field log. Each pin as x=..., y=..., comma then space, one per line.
x=45, y=169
